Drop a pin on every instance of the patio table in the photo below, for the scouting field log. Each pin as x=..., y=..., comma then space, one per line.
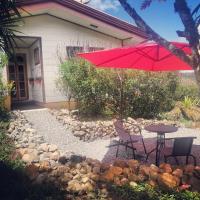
x=160, y=129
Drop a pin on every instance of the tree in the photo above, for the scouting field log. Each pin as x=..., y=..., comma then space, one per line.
x=191, y=22
x=9, y=20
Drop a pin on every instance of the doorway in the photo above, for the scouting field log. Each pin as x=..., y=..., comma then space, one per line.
x=17, y=72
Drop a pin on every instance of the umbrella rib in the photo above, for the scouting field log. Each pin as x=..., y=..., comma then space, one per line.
x=115, y=58
x=137, y=50
x=170, y=54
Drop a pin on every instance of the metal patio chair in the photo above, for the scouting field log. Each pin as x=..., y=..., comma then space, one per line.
x=128, y=138
x=182, y=146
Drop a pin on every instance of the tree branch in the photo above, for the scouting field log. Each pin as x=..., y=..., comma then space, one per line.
x=191, y=30
x=153, y=35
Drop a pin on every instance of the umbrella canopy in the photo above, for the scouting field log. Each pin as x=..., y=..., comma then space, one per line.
x=148, y=56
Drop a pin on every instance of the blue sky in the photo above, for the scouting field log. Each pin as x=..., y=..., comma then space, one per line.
x=160, y=15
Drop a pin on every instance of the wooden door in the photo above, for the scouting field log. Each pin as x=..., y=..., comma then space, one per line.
x=18, y=74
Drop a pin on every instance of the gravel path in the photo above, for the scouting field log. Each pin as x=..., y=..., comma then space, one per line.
x=55, y=133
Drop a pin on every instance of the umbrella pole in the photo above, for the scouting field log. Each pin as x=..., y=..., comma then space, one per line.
x=121, y=80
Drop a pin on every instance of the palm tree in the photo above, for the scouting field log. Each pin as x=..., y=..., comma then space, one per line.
x=191, y=23
x=9, y=20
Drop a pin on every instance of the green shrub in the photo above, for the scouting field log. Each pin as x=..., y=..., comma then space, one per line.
x=146, y=192
x=100, y=91
x=187, y=87
x=5, y=87
x=6, y=150
x=155, y=93
x=85, y=84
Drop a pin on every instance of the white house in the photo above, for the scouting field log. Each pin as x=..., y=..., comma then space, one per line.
x=54, y=29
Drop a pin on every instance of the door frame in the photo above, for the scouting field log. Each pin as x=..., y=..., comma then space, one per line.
x=25, y=79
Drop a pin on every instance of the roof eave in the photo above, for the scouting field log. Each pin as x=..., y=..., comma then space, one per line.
x=91, y=12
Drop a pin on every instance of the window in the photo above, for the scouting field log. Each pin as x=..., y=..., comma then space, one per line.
x=91, y=49
x=36, y=56
x=73, y=50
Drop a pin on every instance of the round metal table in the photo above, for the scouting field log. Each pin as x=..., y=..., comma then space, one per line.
x=160, y=129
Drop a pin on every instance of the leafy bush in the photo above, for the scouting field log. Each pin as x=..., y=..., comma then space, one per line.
x=187, y=87
x=110, y=91
x=136, y=93
x=6, y=150
x=85, y=84
x=5, y=87
x=154, y=93
x=146, y=192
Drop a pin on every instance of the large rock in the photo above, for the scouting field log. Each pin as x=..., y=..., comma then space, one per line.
x=134, y=164
x=32, y=171
x=164, y=167
x=52, y=147
x=120, y=163
x=55, y=156
x=44, y=147
x=30, y=157
x=44, y=166
x=144, y=170
x=178, y=173
x=74, y=185
x=168, y=180
x=111, y=173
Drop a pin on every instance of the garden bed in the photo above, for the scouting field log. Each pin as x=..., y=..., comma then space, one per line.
x=76, y=177
x=89, y=130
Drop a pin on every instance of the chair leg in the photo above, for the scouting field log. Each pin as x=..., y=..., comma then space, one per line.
x=194, y=159
x=177, y=162
x=133, y=150
x=126, y=150
x=187, y=159
x=117, y=150
x=145, y=150
x=133, y=153
x=165, y=159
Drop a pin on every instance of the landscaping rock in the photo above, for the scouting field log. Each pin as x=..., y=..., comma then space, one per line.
x=90, y=130
x=80, y=175
x=52, y=147
x=168, y=180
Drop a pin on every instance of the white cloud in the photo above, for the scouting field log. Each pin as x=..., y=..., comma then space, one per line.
x=105, y=4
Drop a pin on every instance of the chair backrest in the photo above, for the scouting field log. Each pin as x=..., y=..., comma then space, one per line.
x=121, y=131
x=182, y=146
x=135, y=129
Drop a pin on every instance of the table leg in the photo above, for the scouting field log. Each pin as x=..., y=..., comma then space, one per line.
x=160, y=145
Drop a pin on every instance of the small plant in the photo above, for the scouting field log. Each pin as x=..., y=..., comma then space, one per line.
x=146, y=192
x=189, y=102
x=5, y=87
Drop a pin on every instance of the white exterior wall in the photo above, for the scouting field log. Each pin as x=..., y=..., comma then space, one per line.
x=56, y=34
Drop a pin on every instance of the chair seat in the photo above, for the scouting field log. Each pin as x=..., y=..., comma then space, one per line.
x=128, y=138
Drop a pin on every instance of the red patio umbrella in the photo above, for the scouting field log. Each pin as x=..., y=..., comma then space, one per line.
x=148, y=56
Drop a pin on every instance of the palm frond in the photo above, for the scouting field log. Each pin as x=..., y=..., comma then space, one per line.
x=10, y=18
x=196, y=10
x=146, y=3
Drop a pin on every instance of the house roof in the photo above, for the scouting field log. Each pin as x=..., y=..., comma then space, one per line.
x=91, y=12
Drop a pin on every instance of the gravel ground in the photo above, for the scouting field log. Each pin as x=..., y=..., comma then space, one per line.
x=55, y=133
